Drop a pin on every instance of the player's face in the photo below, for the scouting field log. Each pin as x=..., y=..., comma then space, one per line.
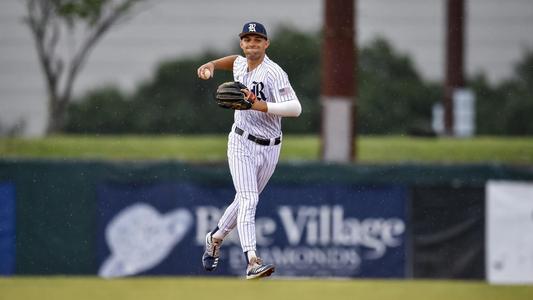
x=254, y=46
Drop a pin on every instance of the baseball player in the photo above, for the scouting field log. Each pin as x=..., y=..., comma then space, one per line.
x=254, y=142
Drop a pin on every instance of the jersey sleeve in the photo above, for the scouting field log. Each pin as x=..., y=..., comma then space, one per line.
x=280, y=87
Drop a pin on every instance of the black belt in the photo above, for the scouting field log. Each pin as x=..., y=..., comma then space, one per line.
x=264, y=142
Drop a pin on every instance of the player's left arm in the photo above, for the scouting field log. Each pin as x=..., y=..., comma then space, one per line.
x=290, y=108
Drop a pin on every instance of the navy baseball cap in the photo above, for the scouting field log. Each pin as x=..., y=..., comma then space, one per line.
x=253, y=28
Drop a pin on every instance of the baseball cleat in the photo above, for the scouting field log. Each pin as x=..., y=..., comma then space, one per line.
x=212, y=252
x=256, y=269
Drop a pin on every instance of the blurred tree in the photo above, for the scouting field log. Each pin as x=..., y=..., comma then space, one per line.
x=173, y=101
x=489, y=111
x=83, y=21
x=176, y=101
x=393, y=98
x=507, y=107
x=104, y=110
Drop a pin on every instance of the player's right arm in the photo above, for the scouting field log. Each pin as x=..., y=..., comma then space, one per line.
x=223, y=63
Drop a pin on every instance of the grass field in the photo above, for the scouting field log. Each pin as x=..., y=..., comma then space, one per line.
x=371, y=149
x=162, y=288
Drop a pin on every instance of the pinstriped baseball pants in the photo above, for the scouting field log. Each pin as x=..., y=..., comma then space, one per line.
x=251, y=166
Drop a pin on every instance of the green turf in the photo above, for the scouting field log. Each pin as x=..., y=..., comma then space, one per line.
x=481, y=149
x=370, y=149
x=161, y=288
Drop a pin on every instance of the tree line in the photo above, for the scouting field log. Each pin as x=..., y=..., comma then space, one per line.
x=393, y=98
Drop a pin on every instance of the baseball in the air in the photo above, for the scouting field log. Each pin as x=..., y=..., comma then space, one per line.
x=207, y=74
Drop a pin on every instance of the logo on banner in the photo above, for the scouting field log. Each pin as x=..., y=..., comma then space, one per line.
x=319, y=238
x=139, y=238
x=159, y=228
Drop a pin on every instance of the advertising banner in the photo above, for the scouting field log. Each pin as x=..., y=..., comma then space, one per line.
x=305, y=230
x=509, y=232
x=7, y=228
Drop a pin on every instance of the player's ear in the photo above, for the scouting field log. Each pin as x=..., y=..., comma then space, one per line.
x=267, y=43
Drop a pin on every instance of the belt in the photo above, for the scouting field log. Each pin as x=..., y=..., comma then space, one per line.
x=264, y=142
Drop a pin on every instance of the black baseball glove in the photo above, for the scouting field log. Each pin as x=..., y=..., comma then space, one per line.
x=229, y=95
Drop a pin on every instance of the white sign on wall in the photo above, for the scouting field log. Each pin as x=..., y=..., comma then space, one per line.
x=509, y=232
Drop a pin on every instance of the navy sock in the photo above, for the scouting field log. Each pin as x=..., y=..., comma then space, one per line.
x=214, y=230
x=254, y=253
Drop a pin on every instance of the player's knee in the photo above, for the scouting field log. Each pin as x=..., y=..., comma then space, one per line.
x=248, y=199
x=247, y=204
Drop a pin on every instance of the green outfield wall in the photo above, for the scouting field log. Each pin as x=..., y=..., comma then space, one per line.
x=55, y=223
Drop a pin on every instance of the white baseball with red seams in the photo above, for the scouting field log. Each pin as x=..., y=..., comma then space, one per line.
x=207, y=74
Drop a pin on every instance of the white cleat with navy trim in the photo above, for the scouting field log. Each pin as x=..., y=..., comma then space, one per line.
x=256, y=269
x=212, y=252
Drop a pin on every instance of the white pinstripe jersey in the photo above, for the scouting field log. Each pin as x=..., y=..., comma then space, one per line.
x=269, y=83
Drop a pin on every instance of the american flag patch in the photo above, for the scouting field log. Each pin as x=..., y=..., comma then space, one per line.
x=284, y=91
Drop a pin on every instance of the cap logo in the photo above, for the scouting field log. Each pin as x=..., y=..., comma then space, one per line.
x=251, y=27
